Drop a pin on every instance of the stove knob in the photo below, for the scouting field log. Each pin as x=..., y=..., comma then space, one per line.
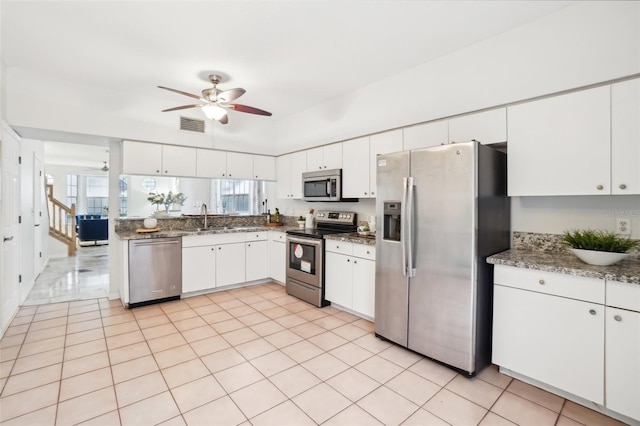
x=341, y=216
x=348, y=216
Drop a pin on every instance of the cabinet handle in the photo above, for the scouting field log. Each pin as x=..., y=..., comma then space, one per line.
x=319, y=167
x=219, y=248
x=166, y=172
x=249, y=245
x=365, y=193
x=541, y=282
x=348, y=260
x=355, y=261
x=368, y=252
x=157, y=171
x=256, y=176
x=622, y=186
x=599, y=187
x=211, y=248
x=592, y=311
x=617, y=317
x=229, y=174
x=373, y=193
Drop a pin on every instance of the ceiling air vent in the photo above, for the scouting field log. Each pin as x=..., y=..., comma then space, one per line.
x=191, y=124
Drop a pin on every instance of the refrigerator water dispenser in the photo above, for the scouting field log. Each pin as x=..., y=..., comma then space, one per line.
x=392, y=218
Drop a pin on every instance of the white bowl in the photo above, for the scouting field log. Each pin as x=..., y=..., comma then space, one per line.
x=150, y=222
x=598, y=258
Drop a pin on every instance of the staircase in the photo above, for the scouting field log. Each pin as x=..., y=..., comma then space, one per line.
x=62, y=221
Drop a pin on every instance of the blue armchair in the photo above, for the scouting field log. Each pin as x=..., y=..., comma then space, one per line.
x=93, y=230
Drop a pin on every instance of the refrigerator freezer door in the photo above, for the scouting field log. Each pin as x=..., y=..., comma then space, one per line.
x=391, y=304
x=442, y=292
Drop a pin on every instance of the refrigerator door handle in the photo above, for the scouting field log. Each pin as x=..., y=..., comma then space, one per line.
x=403, y=227
x=411, y=271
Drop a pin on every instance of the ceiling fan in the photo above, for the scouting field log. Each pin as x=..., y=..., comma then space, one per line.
x=104, y=168
x=216, y=102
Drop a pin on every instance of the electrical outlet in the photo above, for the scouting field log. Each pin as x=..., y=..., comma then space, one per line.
x=623, y=226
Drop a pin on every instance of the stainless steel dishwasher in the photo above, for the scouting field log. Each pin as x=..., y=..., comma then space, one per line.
x=155, y=270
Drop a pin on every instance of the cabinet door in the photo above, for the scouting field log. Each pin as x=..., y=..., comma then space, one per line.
x=338, y=279
x=315, y=161
x=485, y=127
x=625, y=137
x=355, y=172
x=364, y=283
x=298, y=165
x=264, y=167
x=198, y=268
x=425, y=135
x=283, y=176
x=332, y=156
x=211, y=163
x=257, y=260
x=178, y=161
x=239, y=166
x=277, y=260
x=561, y=145
x=140, y=158
x=623, y=362
x=382, y=143
x=551, y=339
x=230, y=264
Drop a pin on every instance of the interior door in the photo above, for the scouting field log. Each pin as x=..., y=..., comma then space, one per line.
x=9, y=149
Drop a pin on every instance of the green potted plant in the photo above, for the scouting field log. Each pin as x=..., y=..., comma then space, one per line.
x=596, y=247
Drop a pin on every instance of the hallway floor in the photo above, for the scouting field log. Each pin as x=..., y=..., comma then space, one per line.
x=250, y=356
x=80, y=277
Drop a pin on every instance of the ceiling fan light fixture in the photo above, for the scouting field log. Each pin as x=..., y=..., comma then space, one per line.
x=214, y=112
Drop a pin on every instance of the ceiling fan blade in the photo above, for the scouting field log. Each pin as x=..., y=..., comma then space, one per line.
x=224, y=119
x=181, y=107
x=250, y=110
x=180, y=92
x=231, y=94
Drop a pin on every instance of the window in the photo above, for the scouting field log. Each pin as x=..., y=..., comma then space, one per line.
x=97, y=195
x=237, y=196
x=72, y=190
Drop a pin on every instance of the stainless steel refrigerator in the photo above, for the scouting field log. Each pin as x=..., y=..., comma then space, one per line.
x=440, y=212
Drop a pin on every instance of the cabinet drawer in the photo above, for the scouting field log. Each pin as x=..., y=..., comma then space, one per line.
x=365, y=251
x=580, y=288
x=623, y=295
x=341, y=247
x=256, y=236
x=277, y=236
x=212, y=239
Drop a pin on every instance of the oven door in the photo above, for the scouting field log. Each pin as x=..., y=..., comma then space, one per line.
x=304, y=260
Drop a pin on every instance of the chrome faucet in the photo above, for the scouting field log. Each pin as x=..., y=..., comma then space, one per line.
x=203, y=208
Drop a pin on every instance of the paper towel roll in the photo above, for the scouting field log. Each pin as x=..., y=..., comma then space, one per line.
x=308, y=223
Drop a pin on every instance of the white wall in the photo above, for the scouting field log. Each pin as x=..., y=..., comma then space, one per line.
x=555, y=215
x=586, y=43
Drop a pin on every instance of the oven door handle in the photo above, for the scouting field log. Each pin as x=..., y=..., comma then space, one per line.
x=314, y=242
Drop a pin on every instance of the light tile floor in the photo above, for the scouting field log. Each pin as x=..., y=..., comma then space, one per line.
x=79, y=277
x=251, y=356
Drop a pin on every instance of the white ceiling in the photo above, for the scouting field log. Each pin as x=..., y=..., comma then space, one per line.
x=288, y=55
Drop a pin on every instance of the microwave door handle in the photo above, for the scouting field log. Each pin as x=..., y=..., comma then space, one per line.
x=329, y=187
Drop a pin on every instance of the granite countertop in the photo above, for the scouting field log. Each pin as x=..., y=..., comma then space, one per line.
x=133, y=235
x=564, y=262
x=353, y=237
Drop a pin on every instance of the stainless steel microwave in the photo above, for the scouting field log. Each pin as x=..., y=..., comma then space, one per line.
x=324, y=185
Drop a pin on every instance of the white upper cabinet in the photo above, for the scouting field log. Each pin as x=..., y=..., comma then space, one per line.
x=486, y=127
x=355, y=171
x=211, y=164
x=289, y=169
x=264, y=167
x=239, y=165
x=426, y=135
x=561, y=145
x=625, y=137
x=324, y=157
x=141, y=158
x=381, y=143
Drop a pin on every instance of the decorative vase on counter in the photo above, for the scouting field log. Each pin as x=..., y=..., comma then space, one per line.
x=301, y=224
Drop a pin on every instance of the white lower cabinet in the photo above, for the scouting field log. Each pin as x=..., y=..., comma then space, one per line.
x=350, y=276
x=622, y=329
x=277, y=256
x=579, y=335
x=556, y=340
x=257, y=256
x=198, y=268
x=230, y=264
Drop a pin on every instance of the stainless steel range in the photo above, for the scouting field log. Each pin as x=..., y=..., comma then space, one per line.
x=305, y=255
